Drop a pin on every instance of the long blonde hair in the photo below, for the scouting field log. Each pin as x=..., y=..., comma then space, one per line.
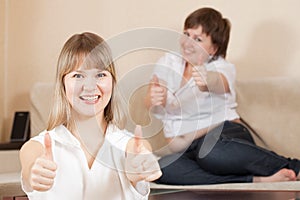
x=86, y=50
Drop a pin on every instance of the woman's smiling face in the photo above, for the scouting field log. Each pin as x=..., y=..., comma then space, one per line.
x=88, y=91
x=196, y=46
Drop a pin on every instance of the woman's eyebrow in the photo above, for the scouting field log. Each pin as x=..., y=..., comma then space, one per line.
x=80, y=71
x=84, y=71
x=199, y=34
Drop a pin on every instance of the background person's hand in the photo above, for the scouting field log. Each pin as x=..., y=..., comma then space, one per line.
x=158, y=93
x=43, y=170
x=199, y=74
x=140, y=163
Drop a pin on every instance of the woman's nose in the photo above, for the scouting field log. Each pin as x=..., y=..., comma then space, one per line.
x=90, y=84
x=188, y=40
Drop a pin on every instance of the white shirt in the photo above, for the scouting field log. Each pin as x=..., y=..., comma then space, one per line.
x=187, y=108
x=75, y=180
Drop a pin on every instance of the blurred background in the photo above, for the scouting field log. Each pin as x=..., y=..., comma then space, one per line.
x=264, y=38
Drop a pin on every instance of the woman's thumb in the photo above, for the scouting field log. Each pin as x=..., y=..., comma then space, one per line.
x=155, y=81
x=48, y=146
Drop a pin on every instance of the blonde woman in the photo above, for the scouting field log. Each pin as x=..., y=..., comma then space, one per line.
x=84, y=153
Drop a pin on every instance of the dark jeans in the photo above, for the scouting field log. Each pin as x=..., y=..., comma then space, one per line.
x=233, y=157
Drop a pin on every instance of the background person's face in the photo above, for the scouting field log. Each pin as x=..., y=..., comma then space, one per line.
x=196, y=46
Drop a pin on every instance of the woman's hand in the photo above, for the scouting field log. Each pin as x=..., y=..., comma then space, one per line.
x=43, y=170
x=140, y=163
x=199, y=74
x=157, y=94
x=210, y=81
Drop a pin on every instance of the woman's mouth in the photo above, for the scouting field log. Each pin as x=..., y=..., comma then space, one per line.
x=188, y=51
x=89, y=98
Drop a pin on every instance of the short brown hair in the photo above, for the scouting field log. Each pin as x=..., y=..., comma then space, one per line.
x=214, y=25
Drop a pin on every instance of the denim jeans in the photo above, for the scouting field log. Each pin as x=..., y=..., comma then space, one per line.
x=233, y=158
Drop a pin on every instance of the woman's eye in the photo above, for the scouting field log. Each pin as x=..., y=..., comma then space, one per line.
x=198, y=40
x=100, y=75
x=186, y=33
x=77, y=76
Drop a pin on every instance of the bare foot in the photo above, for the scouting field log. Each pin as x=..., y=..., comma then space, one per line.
x=281, y=175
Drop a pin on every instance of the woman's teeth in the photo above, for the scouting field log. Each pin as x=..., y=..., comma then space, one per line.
x=90, y=98
x=188, y=51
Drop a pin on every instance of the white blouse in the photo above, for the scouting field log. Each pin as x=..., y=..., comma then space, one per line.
x=105, y=179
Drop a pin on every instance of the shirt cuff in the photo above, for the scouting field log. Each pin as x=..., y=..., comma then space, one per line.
x=142, y=187
x=141, y=190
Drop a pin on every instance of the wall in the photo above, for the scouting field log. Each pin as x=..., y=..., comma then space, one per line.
x=2, y=63
x=264, y=40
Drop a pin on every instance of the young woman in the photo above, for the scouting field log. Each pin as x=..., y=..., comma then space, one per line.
x=84, y=154
x=193, y=94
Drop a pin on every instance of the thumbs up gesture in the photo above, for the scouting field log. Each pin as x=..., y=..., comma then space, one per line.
x=157, y=93
x=199, y=74
x=43, y=170
x=140, y=163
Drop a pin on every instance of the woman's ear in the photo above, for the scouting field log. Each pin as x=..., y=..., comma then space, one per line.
x=213, y=50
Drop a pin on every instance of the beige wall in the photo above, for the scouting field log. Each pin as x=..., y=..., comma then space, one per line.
x=264, y=40
x=2, y=46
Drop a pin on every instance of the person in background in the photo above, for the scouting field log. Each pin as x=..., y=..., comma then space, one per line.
x=194, y=96
x=85, y=153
